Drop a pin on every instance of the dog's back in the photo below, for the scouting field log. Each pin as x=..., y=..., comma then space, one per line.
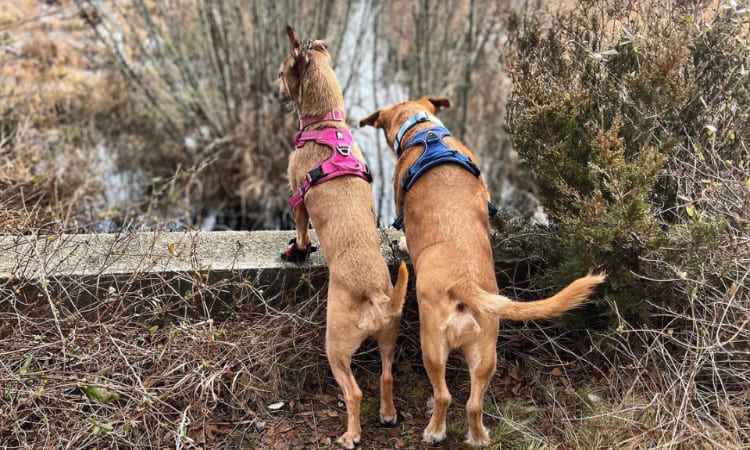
x=343, y=214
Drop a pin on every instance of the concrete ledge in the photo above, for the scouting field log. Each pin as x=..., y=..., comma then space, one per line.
x=40, y=257
x=195, y=273
x=149, y=274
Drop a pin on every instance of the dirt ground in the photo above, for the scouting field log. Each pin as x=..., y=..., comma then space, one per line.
x=316, y=420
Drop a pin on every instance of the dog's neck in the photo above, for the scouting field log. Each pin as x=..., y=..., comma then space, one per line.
x=410, y=132
x=320, y=91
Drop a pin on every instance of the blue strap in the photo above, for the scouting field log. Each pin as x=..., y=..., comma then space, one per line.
x=399, y=222
x=436, y=152
x=492, y=209
x=422, y=116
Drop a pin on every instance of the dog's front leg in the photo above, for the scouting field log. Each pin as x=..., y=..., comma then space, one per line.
x=299, y=247
x=301, y=218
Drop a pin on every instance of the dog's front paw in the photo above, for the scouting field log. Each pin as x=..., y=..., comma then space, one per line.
x=348, y=440
x=296, y=254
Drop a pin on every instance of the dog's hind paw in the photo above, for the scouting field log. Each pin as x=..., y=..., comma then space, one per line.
x=387, y=420
x=348, y=440
x=433, y=438
x=480, y=440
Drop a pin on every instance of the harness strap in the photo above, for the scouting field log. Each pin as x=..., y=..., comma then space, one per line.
x=341, y=162
x=399, y=222
x=339, y=137
x=436, y=152
x=333, y=115
x=422, y=116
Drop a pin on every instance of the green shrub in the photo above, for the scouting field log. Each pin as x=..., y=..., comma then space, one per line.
x=611, y=108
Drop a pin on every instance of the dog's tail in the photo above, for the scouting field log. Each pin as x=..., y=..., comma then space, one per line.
x=570, y=297
x=386, y=309
x=396, y=304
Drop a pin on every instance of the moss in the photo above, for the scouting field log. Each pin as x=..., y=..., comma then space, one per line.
x=370, y=409
x=419, y=390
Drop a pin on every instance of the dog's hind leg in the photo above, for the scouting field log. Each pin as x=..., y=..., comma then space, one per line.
x=435, y=355
x=342, y=340
x=386, y=338
x=481, y=357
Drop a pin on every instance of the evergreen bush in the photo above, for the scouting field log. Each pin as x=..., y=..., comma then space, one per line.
x=633, y=125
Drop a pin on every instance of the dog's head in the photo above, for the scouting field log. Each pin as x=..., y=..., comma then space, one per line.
x=390, y=118
x=294, y=67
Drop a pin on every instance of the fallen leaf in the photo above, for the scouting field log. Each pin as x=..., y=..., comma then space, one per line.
x=275, y=406
x=556, y=372
x=210, y=430
x=325, y=398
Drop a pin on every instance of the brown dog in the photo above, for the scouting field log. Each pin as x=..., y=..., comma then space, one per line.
x=447, y=233
x=362, y=302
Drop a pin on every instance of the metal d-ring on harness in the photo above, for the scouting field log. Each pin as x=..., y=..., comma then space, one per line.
x=436, y=152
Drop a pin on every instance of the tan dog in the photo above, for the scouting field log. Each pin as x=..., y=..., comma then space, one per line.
x=447, y=233
x=362, y=302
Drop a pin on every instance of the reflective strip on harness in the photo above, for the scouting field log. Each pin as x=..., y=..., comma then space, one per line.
x=422, y=116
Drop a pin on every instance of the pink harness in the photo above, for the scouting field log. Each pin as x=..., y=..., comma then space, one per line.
x=341, y=162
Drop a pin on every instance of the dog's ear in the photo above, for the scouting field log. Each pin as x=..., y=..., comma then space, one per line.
x=371, y=120
x=293, y=40
x=320, y=44
x=299, y=57
x=437, y=103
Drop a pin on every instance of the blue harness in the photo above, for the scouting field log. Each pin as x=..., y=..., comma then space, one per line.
x=436, y=152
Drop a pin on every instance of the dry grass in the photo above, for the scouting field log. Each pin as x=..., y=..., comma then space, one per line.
x=148, y=365
x=52, y=103
x=151, y=371
x=173, y=369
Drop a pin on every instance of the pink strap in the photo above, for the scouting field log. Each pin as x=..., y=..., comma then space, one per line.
x=341, y=162
x=332, y=137
x=335, y=115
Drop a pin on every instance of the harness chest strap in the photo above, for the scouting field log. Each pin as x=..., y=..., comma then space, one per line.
x=341, y=162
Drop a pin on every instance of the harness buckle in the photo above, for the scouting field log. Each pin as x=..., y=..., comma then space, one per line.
x=314, y=175
x=343, y=151
x=432, y=138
